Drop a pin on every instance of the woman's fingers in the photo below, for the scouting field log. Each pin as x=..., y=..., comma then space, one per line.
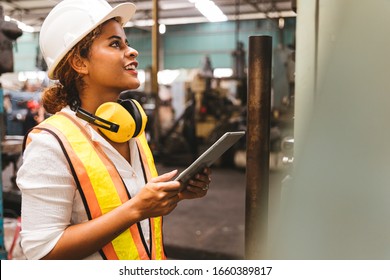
x=164, y=177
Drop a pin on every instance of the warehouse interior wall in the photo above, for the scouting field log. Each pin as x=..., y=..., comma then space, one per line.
x=186, y=46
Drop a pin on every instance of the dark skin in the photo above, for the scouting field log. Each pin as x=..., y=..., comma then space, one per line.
x=109, y=70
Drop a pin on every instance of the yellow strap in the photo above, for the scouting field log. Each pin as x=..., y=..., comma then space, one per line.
x=156, y=224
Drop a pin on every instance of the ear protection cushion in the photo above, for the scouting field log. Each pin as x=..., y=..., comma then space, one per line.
x=137, y=112
x=129, y=105
x=114, y=112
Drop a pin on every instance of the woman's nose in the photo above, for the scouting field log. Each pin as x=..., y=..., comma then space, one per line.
x=131, y=52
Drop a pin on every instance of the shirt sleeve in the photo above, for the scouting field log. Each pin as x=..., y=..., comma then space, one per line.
x=48, y=193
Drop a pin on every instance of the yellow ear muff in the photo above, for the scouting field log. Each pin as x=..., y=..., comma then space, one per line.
x=143, y=120
x=116, y=113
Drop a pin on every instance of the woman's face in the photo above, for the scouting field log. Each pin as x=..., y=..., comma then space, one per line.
x=111, y=65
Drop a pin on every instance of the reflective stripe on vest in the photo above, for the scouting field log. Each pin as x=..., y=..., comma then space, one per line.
x=102, y=188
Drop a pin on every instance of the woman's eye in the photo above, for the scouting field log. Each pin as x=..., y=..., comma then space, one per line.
x=116, y=44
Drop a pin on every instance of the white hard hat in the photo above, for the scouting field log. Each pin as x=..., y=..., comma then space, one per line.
x=70, y=21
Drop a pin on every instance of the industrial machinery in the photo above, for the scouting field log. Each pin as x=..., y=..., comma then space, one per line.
x=9, y=32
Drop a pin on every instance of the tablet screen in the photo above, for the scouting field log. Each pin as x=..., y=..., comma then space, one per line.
x=210, y=155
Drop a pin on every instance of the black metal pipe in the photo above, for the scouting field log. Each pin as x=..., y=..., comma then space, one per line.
x=258, y=145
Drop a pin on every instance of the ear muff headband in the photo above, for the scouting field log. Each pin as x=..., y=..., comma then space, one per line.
x=82, y=114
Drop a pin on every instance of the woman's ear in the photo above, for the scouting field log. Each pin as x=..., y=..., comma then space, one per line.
x=79, y=64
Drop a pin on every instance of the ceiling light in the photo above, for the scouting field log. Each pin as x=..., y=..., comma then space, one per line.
x=167, y=77
x=162, y=28
x=208, y=9
x=223, y=72
x=21, y=25
x=281, y=23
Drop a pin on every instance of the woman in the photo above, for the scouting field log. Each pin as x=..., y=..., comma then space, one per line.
x=89, y=190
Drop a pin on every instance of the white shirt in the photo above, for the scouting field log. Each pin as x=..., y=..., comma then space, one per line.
x=50, y=199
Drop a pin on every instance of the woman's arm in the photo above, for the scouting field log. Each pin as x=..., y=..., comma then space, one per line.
x=157, y=198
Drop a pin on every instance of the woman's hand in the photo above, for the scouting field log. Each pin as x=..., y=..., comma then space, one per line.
x=159, y=197
x=197, y=186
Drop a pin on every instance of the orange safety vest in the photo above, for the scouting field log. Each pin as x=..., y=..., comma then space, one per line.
x=101, y=187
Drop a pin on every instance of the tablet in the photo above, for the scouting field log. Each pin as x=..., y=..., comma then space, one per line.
x=210, y=155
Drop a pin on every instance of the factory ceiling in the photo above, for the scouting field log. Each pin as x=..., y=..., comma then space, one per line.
x=33, y=12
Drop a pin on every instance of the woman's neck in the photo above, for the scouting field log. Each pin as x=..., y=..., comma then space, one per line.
x=90, y=101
